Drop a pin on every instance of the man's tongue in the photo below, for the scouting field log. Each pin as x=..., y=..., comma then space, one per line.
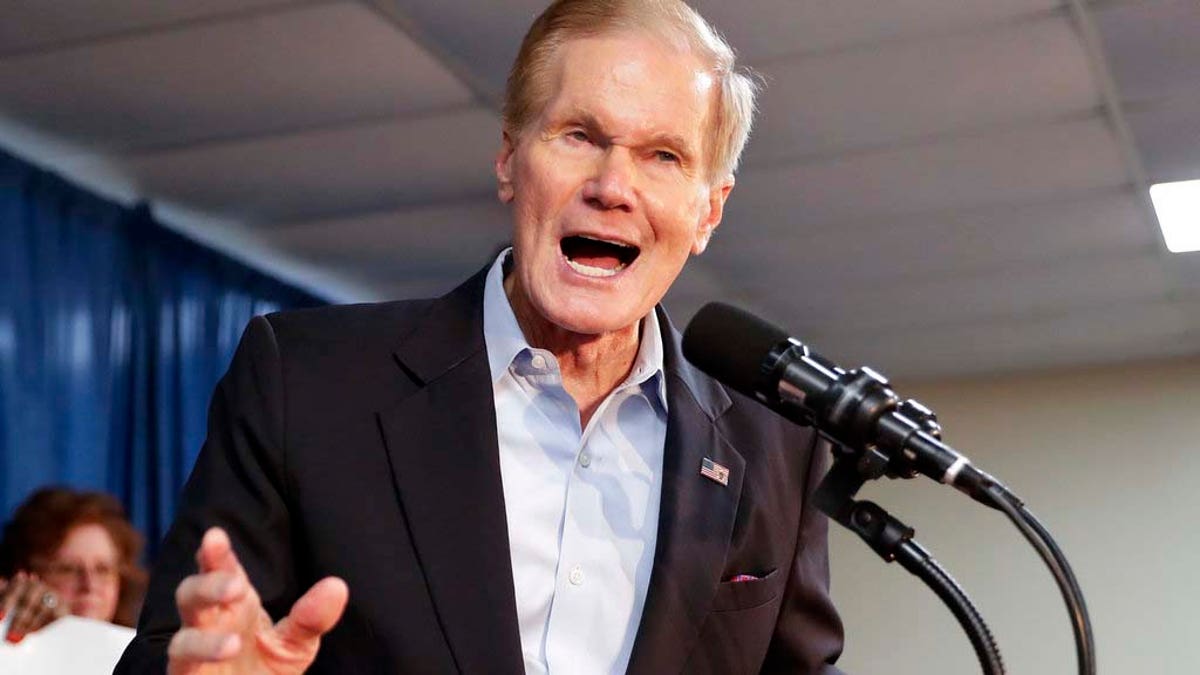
x=591, y=253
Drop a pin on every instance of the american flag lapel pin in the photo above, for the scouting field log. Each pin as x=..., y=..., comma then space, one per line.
x=714, y=472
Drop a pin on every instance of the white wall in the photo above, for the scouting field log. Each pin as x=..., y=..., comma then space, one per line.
x=1108, y=459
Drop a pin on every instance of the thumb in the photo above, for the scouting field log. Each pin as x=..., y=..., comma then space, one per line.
x=315, y=613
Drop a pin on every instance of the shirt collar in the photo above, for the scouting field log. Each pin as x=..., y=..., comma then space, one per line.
x=504, y=339
x=501, y=333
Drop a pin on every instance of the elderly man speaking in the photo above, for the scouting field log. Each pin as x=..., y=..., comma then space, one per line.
x=523, y=475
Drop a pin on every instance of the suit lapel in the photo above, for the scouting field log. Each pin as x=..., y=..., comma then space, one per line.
x=696, y=518
x=444, y=455
x=442, y=447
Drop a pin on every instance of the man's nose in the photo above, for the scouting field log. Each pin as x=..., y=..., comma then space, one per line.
x=612, y=186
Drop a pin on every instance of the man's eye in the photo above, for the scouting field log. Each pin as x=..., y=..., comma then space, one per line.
x=666, y=156
x=578, y=135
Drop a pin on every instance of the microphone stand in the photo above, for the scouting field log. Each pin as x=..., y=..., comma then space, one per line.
x=892, y=540
x=861, y=407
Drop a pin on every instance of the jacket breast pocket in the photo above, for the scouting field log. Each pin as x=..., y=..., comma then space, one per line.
x=735, y=595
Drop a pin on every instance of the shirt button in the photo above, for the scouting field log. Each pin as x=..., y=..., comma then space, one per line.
x=576, y=575
x=585, y=460
x=538, y=361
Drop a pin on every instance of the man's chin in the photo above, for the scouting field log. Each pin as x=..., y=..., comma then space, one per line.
x=584, y=309
x=596, y=320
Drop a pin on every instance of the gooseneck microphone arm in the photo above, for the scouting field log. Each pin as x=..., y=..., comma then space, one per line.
x=892, y=540
x=857, y=409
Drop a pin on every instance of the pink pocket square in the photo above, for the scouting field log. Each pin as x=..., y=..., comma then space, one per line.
x=742, y=577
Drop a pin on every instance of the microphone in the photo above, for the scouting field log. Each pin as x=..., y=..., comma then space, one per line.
x=856, y=408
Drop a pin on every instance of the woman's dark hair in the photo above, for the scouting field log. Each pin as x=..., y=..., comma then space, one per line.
x=41, y=524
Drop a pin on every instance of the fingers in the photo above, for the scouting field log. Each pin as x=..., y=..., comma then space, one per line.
x=223, y=618
x=8, y=591
x=192, y=646
x=216, y=552
x=217, y=607
x=315, y=613
x=15, y=606
x=13, y=590
x=221, y=582
x=32, y=604
x=201, y=592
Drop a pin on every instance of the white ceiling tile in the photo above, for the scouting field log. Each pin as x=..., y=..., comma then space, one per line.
x=1027, y=164
x=870, y=97
x=898, y=249
x=307, y=67
x=768, y=28
x=1153, y=48
x=1153, y=53
x=1113, y=332
x=246, y=245
x=26, y=24
x=1186, y=268
x=1167, y=134
x=417, y=243
x=322, y=174
x=1104, y=335
x=1036, y=290
x=482, y=37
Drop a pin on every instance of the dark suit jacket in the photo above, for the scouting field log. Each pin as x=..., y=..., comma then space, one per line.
x=360, y=441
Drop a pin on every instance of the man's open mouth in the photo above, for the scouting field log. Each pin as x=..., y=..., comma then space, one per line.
x=597, y=257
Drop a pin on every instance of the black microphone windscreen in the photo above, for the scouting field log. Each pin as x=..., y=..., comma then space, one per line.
x=730, y=344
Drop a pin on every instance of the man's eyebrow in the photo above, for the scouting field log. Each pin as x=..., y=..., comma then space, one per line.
x=590, y=122
x=671, y=140
x=582, y=118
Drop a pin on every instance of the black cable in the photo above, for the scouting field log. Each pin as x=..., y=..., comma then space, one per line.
x=1043, y=543
x=916, y=559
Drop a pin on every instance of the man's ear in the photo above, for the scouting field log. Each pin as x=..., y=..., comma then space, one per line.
x=717, y=194
x=504, y=169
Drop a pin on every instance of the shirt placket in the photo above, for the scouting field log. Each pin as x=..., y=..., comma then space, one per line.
x=585, y=570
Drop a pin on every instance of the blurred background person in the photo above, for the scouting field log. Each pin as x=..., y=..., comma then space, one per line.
x=68, y=552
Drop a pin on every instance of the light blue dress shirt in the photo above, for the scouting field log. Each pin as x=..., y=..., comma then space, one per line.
x=581, y=504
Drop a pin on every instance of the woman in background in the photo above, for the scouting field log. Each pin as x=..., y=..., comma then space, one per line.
x=67, y=552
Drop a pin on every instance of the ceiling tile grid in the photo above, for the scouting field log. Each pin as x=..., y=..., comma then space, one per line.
x=1098, y=335
x=765, y=29
x=446, y=157
x=935, y=184
x=31, y=25
x=1036, y=72
x=940, y=245
x=1154, y=54
x=302, y=66
x=1167, y=132
x=1017, y=166
x=1014, y=293
x=1152, y=45
x=451, y=238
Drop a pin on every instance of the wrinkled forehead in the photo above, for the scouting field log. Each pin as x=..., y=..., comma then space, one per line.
x=631, y=76
x=664, y=39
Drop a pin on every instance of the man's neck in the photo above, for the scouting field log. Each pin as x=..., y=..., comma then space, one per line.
x=591, y=365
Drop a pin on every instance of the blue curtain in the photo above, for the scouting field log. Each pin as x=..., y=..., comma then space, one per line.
x=113, y=333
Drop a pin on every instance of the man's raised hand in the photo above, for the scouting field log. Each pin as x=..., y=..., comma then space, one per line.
x=226, y=630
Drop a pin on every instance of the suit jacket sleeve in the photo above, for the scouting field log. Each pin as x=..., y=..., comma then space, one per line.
x=238, y=483
x=808, y=634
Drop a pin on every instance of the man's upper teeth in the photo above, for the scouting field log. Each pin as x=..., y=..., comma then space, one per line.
x=605, y=241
